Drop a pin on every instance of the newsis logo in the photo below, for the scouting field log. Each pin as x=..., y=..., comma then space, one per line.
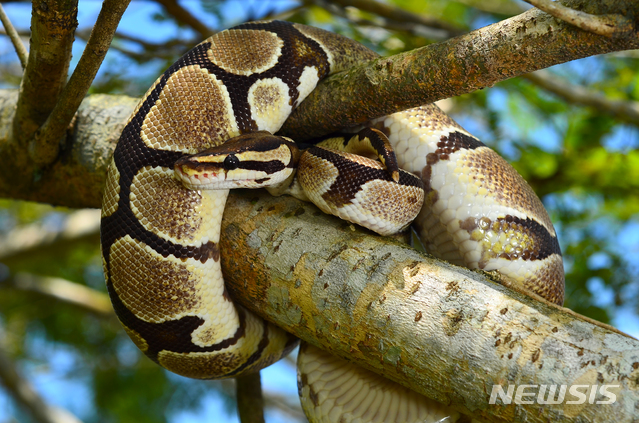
x=549, y=394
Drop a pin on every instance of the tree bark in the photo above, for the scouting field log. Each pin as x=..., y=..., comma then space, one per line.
x=77, y=178
x=52, y=26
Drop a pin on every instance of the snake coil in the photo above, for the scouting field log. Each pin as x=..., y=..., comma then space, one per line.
x=160, y=241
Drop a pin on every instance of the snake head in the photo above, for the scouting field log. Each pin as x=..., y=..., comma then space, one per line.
x=253, y=160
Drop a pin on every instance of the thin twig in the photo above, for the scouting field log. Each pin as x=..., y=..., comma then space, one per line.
x=184, y=16
x=352, y=15
x=32, y=403
x=626, y=110
x=398, y=14
x=606, y=25
x=21, y=50
x=498, y=7
x=45, y=147
x=250, y=404
x=285, y=404
x=167, y=50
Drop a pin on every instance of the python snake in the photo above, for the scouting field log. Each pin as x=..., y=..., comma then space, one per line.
x=160, y=239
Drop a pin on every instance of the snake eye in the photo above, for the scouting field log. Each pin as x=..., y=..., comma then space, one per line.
x=231, y=162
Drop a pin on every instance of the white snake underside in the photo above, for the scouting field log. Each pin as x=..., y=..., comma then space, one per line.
x=160, y=240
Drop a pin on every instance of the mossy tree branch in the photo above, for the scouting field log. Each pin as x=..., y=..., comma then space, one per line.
x=45, y=146
x=52, y=27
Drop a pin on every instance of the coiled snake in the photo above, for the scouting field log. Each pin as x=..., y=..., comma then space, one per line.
x=160, y=239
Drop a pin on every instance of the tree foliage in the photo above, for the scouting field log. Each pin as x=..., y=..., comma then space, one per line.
x=571, y=131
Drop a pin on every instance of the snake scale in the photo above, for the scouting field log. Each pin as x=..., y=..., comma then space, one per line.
x=160, y=239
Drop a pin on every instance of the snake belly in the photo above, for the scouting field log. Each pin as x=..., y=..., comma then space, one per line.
x=160, y=241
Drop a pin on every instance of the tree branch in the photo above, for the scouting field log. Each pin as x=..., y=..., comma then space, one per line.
x=52, y=26
x=623, y=110
x=32, y=403
x=166, y=50
x=74, y=294
x=500, y=7
x=286, y=404
x=398, y=14
x=44, y=148
x=78, y=179
x=21, y=50
x=416, y=29
x=444, y=331
x=607, y=25
x=182, y=15
x=461, y=65
x=250, y=404
x=32, y=240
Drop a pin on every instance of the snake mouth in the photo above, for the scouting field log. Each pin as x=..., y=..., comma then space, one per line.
x=194, y=180
x=218, y=180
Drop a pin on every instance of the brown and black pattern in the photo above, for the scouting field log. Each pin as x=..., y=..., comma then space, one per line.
x=160, y=257
x=446, y=146
x=182, y=114
x=478, y=212
x=351, y=177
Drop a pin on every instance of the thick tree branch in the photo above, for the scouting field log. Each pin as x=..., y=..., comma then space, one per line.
x=52, y=26
x=32, y=403
x=441, y=330
x=21, y=50
x=525, y=43
x=575, y=94
x=45, y=147
x=606, y=25
x=76, y=180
